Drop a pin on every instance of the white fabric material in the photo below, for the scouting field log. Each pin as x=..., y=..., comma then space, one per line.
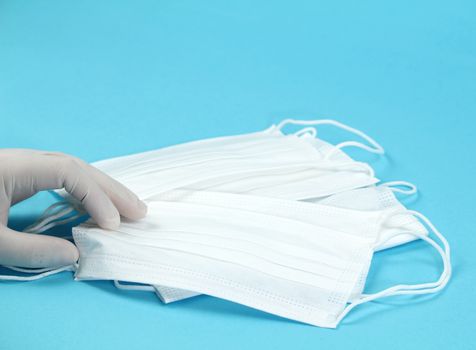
x=374, y=198
x=294, y=259
x=304, y=270
x=225, y=220
x=380, y=198
x=267, y=163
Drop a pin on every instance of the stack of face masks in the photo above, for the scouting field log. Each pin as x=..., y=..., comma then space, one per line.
x=287, y=224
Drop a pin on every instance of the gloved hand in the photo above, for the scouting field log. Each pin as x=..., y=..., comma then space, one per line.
x=25, y=172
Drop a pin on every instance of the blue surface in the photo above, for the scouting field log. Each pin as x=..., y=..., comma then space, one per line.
x=100, y=79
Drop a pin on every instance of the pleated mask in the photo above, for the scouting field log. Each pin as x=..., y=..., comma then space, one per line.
x=374, y=198
x=268, y=163
x=294, y=259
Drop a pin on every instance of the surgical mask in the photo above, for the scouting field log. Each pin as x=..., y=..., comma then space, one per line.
x=267, y=163
x=375, y=198
x=304, y=265
x=371, y=198
x=302, y=166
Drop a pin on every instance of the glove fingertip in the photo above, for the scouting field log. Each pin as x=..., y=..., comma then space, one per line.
x=53, y=252
x=141, y=209
x=111, y=223
x=68, y=255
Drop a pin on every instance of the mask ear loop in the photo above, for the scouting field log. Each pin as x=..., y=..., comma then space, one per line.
x=39, y=224
x=143, y=288
x=413, y=289
x=306, y=131
x=40, y=273
x=49, y=219
x=46, y=227
x=392, y=185
x=43, y=223
x=51, y=214
x=51, y=209
x=374, y=148
x=29, y=270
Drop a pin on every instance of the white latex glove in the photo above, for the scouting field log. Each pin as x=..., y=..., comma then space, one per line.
x=25, y=172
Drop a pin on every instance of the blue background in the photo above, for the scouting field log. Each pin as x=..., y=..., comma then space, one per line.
x=105, y=78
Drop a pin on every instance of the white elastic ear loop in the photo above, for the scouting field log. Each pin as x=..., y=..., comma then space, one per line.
x=312, y=132
x=445, y=253
x=50, y=215
x=413, y=289
x=43, y=273
x=392, y=185
x=143, y=288
x=29, y=270
x=39, y=224
x=42, y=229
x=49, y=219
x=376, y=147
x=50, y=210
x=43, y=223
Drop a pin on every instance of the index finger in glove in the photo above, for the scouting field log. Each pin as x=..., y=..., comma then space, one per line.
x=57, y=171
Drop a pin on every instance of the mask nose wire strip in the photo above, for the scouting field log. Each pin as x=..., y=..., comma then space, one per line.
x=392, y=185
x=376, y=147
x=409, y=289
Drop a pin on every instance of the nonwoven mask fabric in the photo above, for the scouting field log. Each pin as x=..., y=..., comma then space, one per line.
x=381, y=198
x=267, y=163
x=374, y=198
x=298, y=260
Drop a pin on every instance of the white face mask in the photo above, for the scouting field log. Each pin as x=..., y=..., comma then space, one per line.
x=299, y=260
x=375, y=198
x=267, y=163
x=380, y=198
